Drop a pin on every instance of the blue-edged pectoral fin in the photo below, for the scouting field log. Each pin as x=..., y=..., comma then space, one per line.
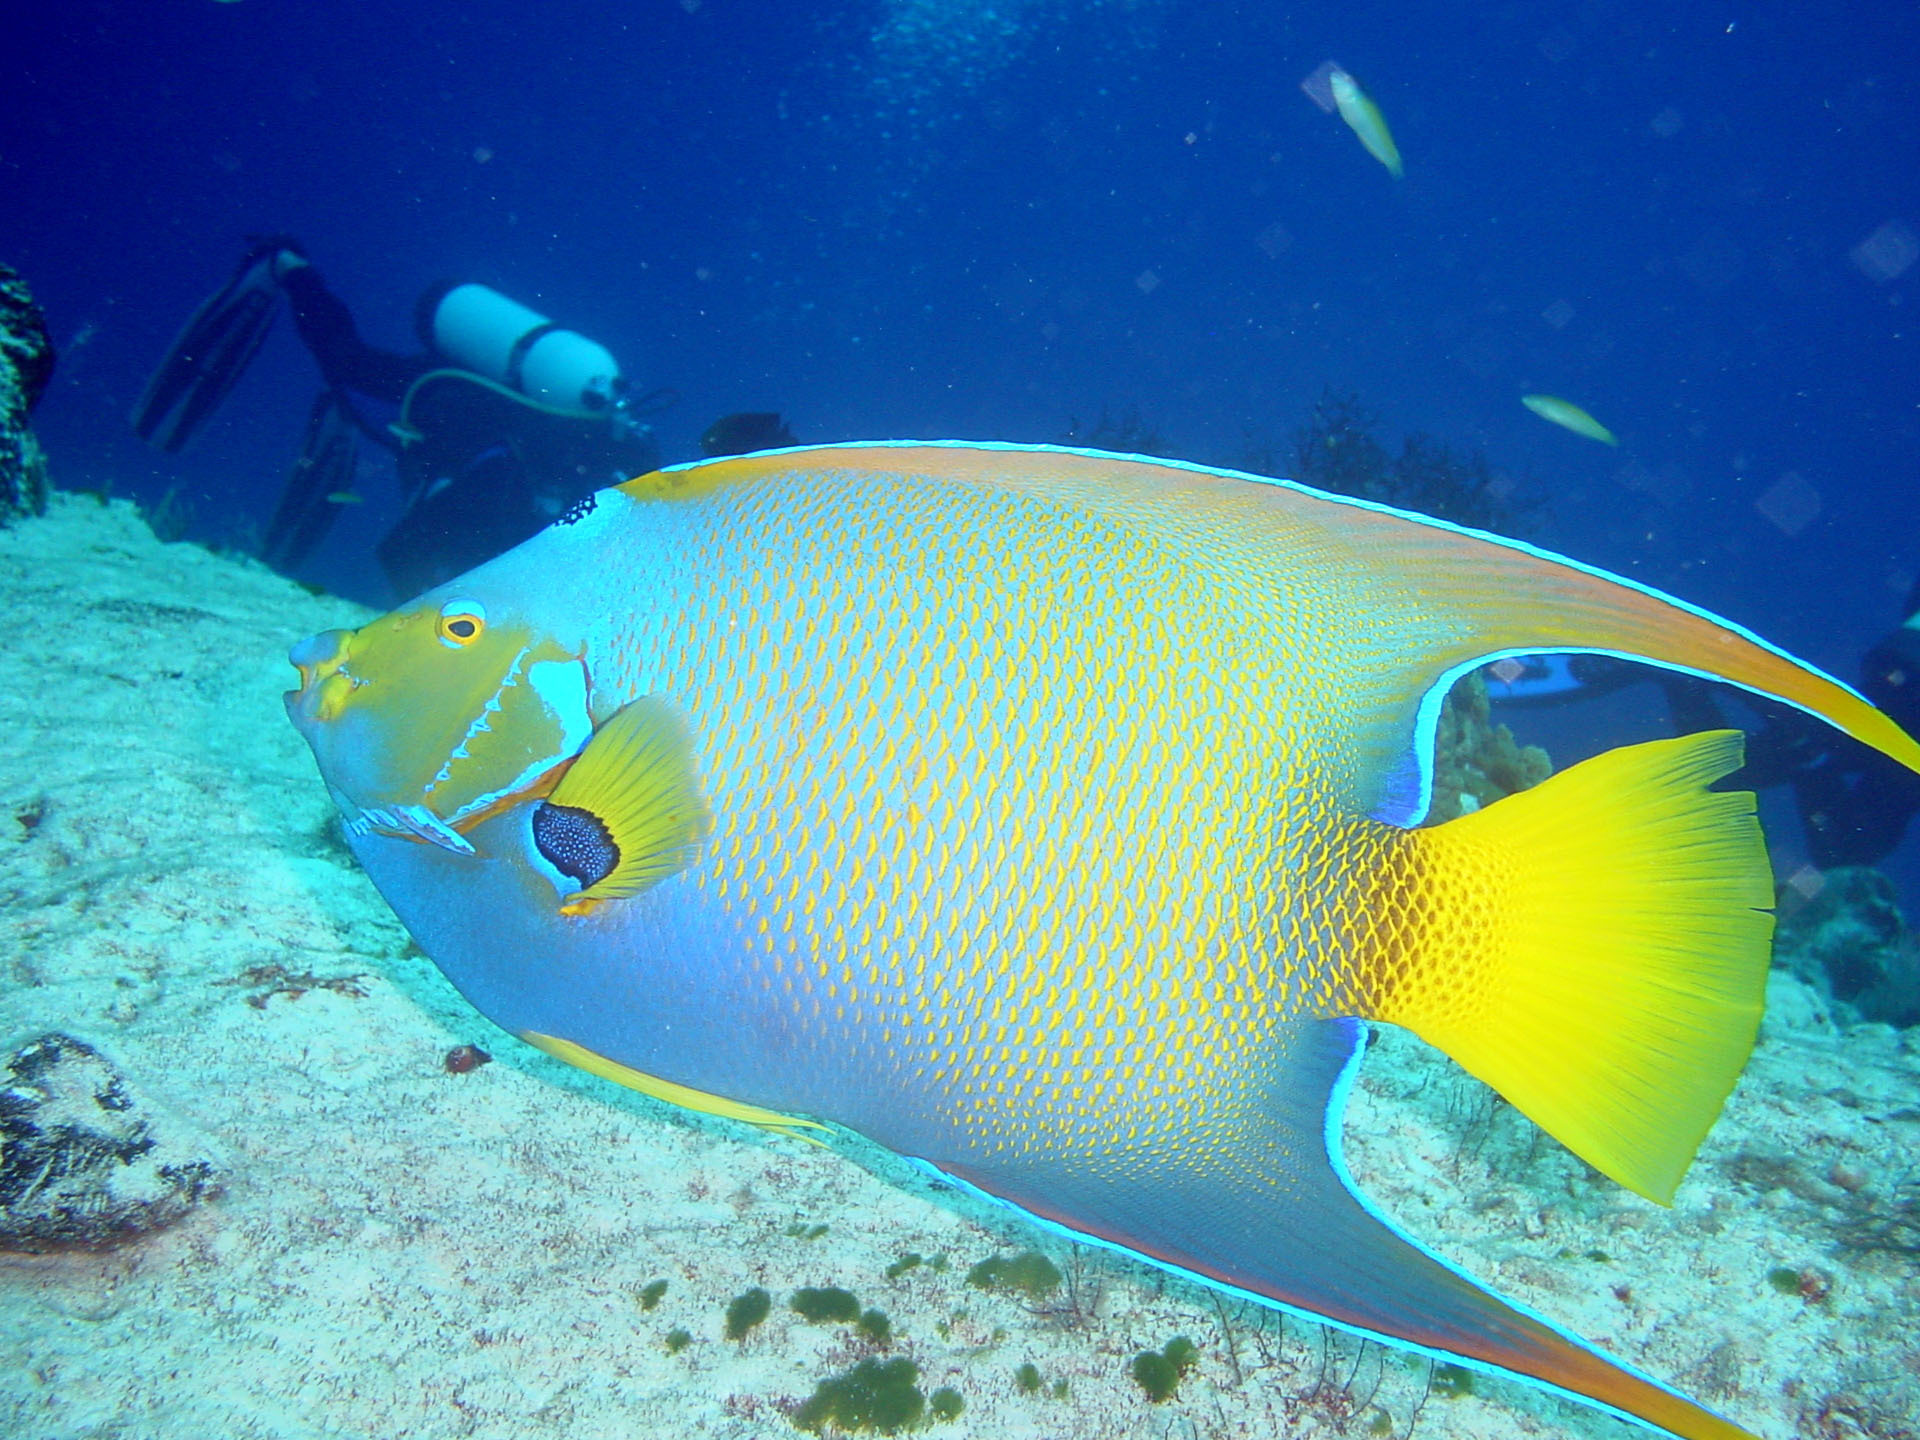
x=1280, y=1223
x=628, y=813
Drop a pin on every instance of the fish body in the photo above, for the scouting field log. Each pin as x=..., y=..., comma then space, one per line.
x=1043, y=815
x=1363, y=117
x=1568, y=416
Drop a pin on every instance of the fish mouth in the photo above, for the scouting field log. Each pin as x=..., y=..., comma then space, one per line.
x=325, y=681
x=385, y=763
x=326, y=685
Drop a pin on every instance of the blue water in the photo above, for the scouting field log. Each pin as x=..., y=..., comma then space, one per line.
x=992, y=220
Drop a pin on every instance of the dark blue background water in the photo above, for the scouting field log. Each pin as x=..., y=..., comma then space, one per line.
x=909, y=218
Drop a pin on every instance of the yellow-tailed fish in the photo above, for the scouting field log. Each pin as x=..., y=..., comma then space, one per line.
x=1044, y=815
x=1363, y=117
x=1569, y=416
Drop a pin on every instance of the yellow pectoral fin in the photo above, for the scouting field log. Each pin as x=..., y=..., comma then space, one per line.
x=685, y=1096
x=1596, y=949
x=629, y=812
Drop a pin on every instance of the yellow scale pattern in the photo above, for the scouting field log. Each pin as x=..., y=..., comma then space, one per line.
x=1023, y=824
x=1433, y=922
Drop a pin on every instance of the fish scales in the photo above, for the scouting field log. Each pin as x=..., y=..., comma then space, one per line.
x=1076, y=839
x=1043, y=814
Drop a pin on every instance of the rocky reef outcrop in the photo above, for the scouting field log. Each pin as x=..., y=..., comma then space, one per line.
x=26, y=365
x=1842, y=932
x=84, y=1162
x=1475, y=761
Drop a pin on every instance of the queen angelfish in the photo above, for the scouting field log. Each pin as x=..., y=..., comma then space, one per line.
x=1048, y=816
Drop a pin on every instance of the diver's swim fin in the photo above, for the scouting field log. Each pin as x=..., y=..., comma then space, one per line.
x=211, y=352
x=319, y=484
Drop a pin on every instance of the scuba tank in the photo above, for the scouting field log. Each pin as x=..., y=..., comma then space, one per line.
x=521, y=421
x=481, y=330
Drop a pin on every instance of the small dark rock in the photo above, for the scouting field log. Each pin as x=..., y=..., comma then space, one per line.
x=463, y=1058
x=81, y=1166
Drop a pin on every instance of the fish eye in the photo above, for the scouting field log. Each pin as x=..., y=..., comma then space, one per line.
x=461, y=623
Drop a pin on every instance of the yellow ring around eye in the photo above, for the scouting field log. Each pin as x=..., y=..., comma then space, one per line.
x=461, y=623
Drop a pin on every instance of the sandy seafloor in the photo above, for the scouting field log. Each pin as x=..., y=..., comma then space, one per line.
x=401, y=1251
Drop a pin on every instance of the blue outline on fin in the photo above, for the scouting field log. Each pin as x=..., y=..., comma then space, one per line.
x=1427, y=719
x=1336, y=1110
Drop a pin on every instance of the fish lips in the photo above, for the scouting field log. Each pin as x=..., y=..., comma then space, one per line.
x=348, y=747
x=392, y=776
x=324, y=687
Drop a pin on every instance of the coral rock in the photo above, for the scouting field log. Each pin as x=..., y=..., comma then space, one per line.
x=1846, y=937
x=81, y=1164
x=26, y=364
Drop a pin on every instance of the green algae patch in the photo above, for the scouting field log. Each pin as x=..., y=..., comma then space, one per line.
x=1450, y=1382
x=827, y=1306
x=875, y=1325
x=1159, y=1372
x=1029, y=1273
x=746, y=1311
x=1027, y=1380
x=905, y=1263
x=650, y=1294
x=945, y=1403
x=1810, y=1285
x=677, y=1340
x=876, y=1395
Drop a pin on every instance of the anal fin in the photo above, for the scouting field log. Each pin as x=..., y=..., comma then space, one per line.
x=1281, y=1224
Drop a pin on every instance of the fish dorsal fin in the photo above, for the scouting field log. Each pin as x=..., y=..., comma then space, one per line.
x=1432, y=601
x=697, y=479
x=1401, y=605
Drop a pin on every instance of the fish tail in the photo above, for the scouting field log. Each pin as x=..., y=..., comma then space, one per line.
x=1594, y=948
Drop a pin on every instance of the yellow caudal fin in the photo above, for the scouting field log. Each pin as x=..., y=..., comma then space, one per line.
x=1595, y=949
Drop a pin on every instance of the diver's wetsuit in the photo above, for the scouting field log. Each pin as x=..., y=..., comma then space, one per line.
x=347, y=362
x=480, y=468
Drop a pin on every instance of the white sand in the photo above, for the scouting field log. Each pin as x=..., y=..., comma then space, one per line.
x=405, y=1252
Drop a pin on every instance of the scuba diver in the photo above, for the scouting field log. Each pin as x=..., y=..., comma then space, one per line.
x=502, y=423
x=1854, y=808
